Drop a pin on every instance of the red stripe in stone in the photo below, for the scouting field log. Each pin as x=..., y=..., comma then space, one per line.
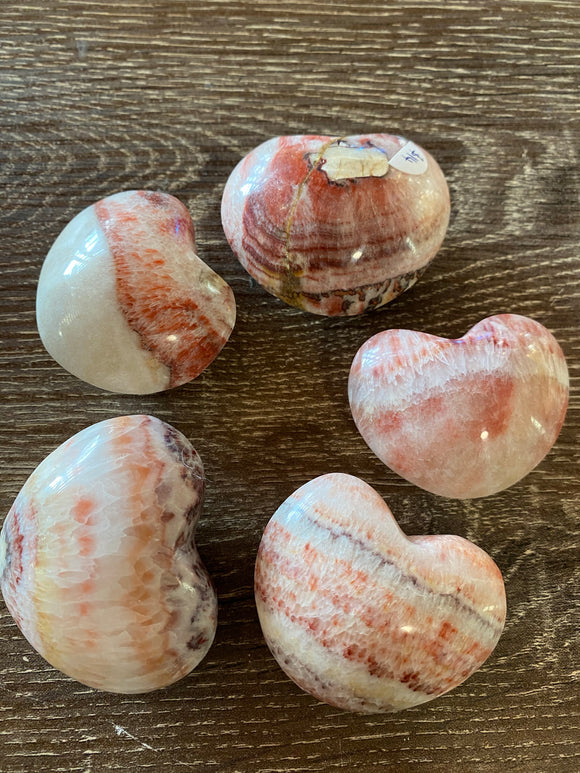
x=141, y=234
x=272, y=565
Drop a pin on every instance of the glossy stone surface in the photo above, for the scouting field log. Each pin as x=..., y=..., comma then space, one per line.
x=461, y=418
x=363, y=617
x=98, y=564
x=124, y=302
x=336, y=225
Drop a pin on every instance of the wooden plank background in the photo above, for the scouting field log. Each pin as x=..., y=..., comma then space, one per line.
x=97, y=97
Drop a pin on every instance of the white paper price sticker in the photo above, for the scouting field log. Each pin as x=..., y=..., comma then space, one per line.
x=410, y=159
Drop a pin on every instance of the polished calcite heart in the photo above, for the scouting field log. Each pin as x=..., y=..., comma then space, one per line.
x=461, y=418
x=362, y=616
x=336, y=225
x=98, y=564
x=125, y=303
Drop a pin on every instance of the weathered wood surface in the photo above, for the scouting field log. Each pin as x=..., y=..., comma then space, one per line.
x=98, y=97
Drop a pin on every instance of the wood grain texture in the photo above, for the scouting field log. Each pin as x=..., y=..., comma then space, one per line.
x=98, y=97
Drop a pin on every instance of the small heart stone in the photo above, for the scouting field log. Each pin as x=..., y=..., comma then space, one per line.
x=124, y=302
x=461, y=418
x=363, y=617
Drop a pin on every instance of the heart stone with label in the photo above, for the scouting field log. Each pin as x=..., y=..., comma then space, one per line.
x=336, y=225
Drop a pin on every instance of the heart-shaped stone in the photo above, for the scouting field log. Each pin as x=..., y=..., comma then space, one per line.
x=336, y=225
x=98, y=565
x=362, y=616
x=125, y=303
x=461, y=418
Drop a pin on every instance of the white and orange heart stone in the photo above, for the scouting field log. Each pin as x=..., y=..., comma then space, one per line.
x=461, y=418
x=125, y=303
x=362, y=616
x=98, y=564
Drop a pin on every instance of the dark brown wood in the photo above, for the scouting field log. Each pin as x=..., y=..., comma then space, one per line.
x=98, y=97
